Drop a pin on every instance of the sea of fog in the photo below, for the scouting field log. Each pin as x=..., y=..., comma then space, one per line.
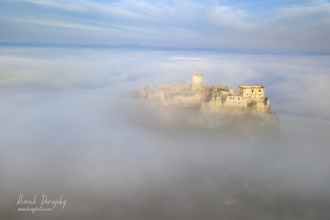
x=69, y=133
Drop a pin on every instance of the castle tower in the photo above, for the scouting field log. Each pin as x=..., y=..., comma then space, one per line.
x=196, y=82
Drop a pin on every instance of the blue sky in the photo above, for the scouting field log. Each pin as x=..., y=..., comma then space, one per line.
x=274, y=26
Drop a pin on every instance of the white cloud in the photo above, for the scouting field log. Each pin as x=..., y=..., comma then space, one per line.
x=61, y=24
x=59, y=4
x=298, y=28
x=224, y=15
x=306, y=14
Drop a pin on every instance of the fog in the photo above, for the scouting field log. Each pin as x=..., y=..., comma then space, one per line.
x=68, y=129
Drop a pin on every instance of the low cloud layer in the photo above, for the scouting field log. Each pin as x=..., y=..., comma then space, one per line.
x=68, y=129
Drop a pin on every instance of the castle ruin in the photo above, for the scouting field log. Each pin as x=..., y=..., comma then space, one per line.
x=210, y=99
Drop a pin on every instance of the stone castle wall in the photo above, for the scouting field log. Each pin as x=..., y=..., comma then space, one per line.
x=251, y=91
x=174, y=86
x=213, y=99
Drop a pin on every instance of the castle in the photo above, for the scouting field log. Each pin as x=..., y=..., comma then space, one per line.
x=210, y=99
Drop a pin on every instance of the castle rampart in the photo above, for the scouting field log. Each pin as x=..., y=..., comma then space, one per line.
x=212, y=99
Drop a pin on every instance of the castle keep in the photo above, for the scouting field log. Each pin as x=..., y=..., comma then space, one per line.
x=210, y=99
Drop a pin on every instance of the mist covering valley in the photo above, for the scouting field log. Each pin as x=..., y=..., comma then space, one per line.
x=69, y=129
